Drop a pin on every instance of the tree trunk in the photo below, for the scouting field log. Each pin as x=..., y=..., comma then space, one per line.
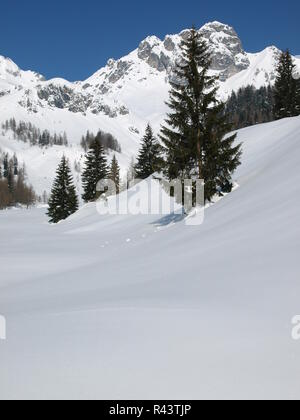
x=199, y=154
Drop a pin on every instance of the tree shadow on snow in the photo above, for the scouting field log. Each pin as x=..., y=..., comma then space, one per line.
x=169, y=219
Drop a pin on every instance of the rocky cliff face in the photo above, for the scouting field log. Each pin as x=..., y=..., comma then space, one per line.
x=228, y=55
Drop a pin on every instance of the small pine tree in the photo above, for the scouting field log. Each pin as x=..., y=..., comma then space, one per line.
x=63, y=200
x=285, y=87
x=114, y=173
x=194, y=134
x=150, y=156
x=95, y=170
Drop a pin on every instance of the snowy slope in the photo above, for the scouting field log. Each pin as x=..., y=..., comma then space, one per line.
x=120, y=98
x=123, y=307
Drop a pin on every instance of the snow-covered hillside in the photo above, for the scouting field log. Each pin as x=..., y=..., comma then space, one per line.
x=120, y=98
x=124, y=307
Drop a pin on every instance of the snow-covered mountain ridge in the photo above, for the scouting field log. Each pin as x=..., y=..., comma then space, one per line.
x=119, y=98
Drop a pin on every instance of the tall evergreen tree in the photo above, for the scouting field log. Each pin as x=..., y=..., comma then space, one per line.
x=114, y=173
x=285, y=88
x=95, y=170
x=193, y=136
x=63, y=200
x=149, y=159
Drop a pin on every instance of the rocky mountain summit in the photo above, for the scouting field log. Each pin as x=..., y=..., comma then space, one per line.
x=228, y=56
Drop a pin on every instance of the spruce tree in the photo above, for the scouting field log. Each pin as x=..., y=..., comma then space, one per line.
x=63, y=200
x=149, y=159
x=285, y=88
x=114, y=173
x=95, y=170
x=193, y=135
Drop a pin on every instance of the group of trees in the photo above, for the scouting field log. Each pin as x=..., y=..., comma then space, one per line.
x=27, y=132
x=64, y=199
x=13, y=187
x=107, y=141
x=287, y=88
x=250, y=106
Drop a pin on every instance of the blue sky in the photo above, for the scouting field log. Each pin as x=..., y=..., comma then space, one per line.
x=72, y=39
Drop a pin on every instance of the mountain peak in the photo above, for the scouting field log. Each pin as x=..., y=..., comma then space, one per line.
x=217, y=26
x=11, y=74
x=8, y=67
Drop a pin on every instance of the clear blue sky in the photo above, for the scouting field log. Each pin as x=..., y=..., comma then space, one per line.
x=72, y=39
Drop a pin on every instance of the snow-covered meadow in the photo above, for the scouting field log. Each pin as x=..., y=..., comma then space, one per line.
x=135, y=307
